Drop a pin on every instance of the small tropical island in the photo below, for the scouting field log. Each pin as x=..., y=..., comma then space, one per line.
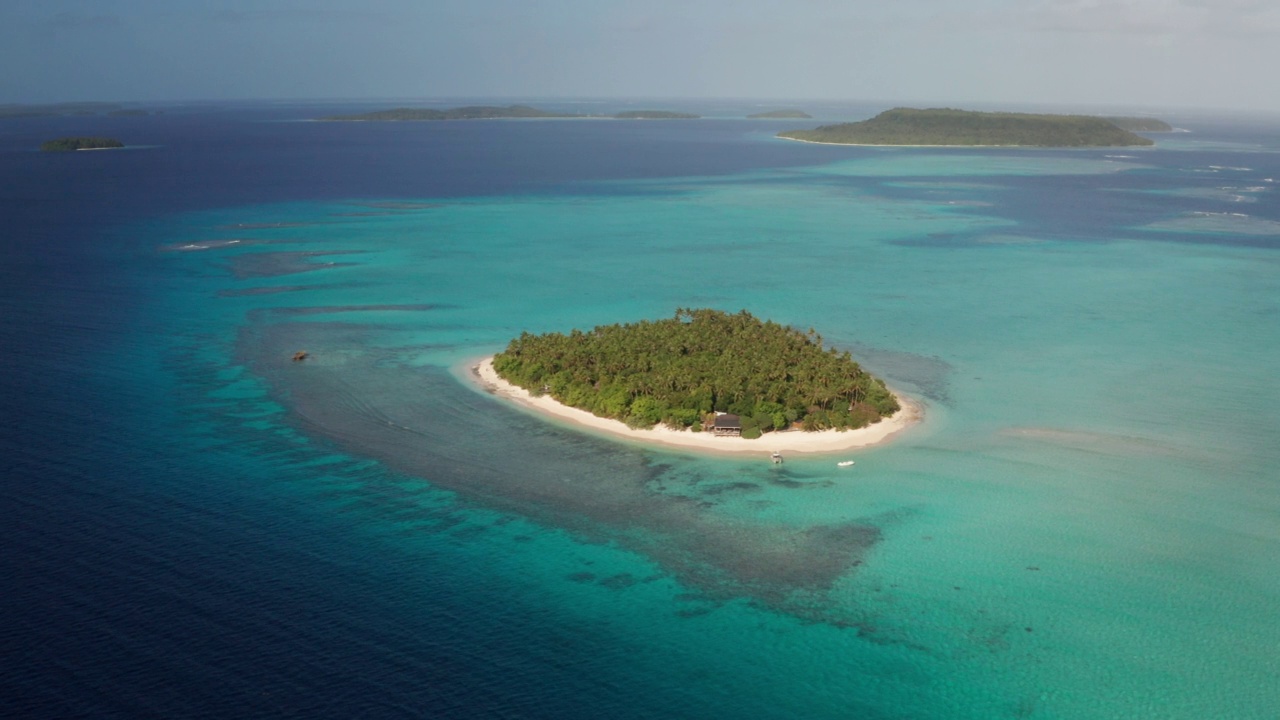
x=948, y=127
x=703, y=378
x=781, y=115
x=67, y=144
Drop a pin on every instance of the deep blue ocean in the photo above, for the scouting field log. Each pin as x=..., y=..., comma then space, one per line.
x=1085, y=525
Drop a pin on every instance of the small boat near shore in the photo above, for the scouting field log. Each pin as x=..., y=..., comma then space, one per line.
x=844, y=463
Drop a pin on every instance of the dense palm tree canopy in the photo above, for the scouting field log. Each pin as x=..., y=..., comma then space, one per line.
x=680, y=370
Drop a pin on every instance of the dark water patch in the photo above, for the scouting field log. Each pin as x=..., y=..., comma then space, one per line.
x=731, y=487
x=940, y=240
x=799, y=483
x=275, y=264
x=928, y=375
x=1153, y=200
x=935, y=185
x=620, y=581
x=272, y=290
x=1265, y=241
x=977, y=240
x=470, y=532
x=695, y=604
x=421, y=421
x=693, y=612
x=686, y=482
x=283, y=288
x=691, y=483
x=992, y=638
x=390, y=307
x=1008, y=239
x=959, y=198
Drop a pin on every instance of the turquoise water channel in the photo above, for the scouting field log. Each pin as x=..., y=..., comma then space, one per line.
x=1084, y=526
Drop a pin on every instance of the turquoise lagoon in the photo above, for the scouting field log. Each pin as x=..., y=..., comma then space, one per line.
x=1086, y=524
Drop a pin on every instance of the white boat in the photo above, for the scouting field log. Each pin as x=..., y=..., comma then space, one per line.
x=845, y=463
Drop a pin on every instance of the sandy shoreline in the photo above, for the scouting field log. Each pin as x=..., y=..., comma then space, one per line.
x=826, y=442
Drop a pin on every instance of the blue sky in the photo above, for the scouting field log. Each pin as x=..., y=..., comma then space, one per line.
x=1140, y=53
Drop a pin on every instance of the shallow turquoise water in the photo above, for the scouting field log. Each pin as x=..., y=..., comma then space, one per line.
x=1085, y=526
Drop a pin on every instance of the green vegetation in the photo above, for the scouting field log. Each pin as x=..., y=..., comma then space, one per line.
x=654, y=115
x=80, y=143
x=471, y=112
x=1140, y=124
x=678, y=371
x=908, y=126
x=781, y=115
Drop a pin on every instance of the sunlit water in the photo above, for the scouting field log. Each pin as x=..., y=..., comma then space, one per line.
x=1086, y=525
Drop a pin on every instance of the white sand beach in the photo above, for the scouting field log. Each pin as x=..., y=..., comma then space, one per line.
x=793, y=441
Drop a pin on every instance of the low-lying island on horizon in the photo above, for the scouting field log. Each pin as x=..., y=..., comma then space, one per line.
x=948, y=127
x=792, y=441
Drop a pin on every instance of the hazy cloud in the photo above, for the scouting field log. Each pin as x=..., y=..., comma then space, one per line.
x=937, y=51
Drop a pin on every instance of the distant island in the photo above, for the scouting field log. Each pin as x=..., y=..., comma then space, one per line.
x=1140, y=124
x=80, y=143
x=132, y=112
x=781, y=115
x=944, y=126
x=492, y=112
x=471, y=112
x=686, y=372
x=52, y=109
x=654, y=115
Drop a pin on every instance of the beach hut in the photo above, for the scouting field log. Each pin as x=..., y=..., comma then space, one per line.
x=727, y=425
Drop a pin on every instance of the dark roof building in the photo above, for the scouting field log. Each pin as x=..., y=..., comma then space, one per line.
x=727, y=424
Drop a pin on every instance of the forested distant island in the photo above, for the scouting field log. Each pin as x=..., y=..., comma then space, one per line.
x=654, y=115
x=493, y=112
x=945, y=126
x=80, y=143
x=683, y=370
x=133, y=112
x=1140, y=124
x=781, y=115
